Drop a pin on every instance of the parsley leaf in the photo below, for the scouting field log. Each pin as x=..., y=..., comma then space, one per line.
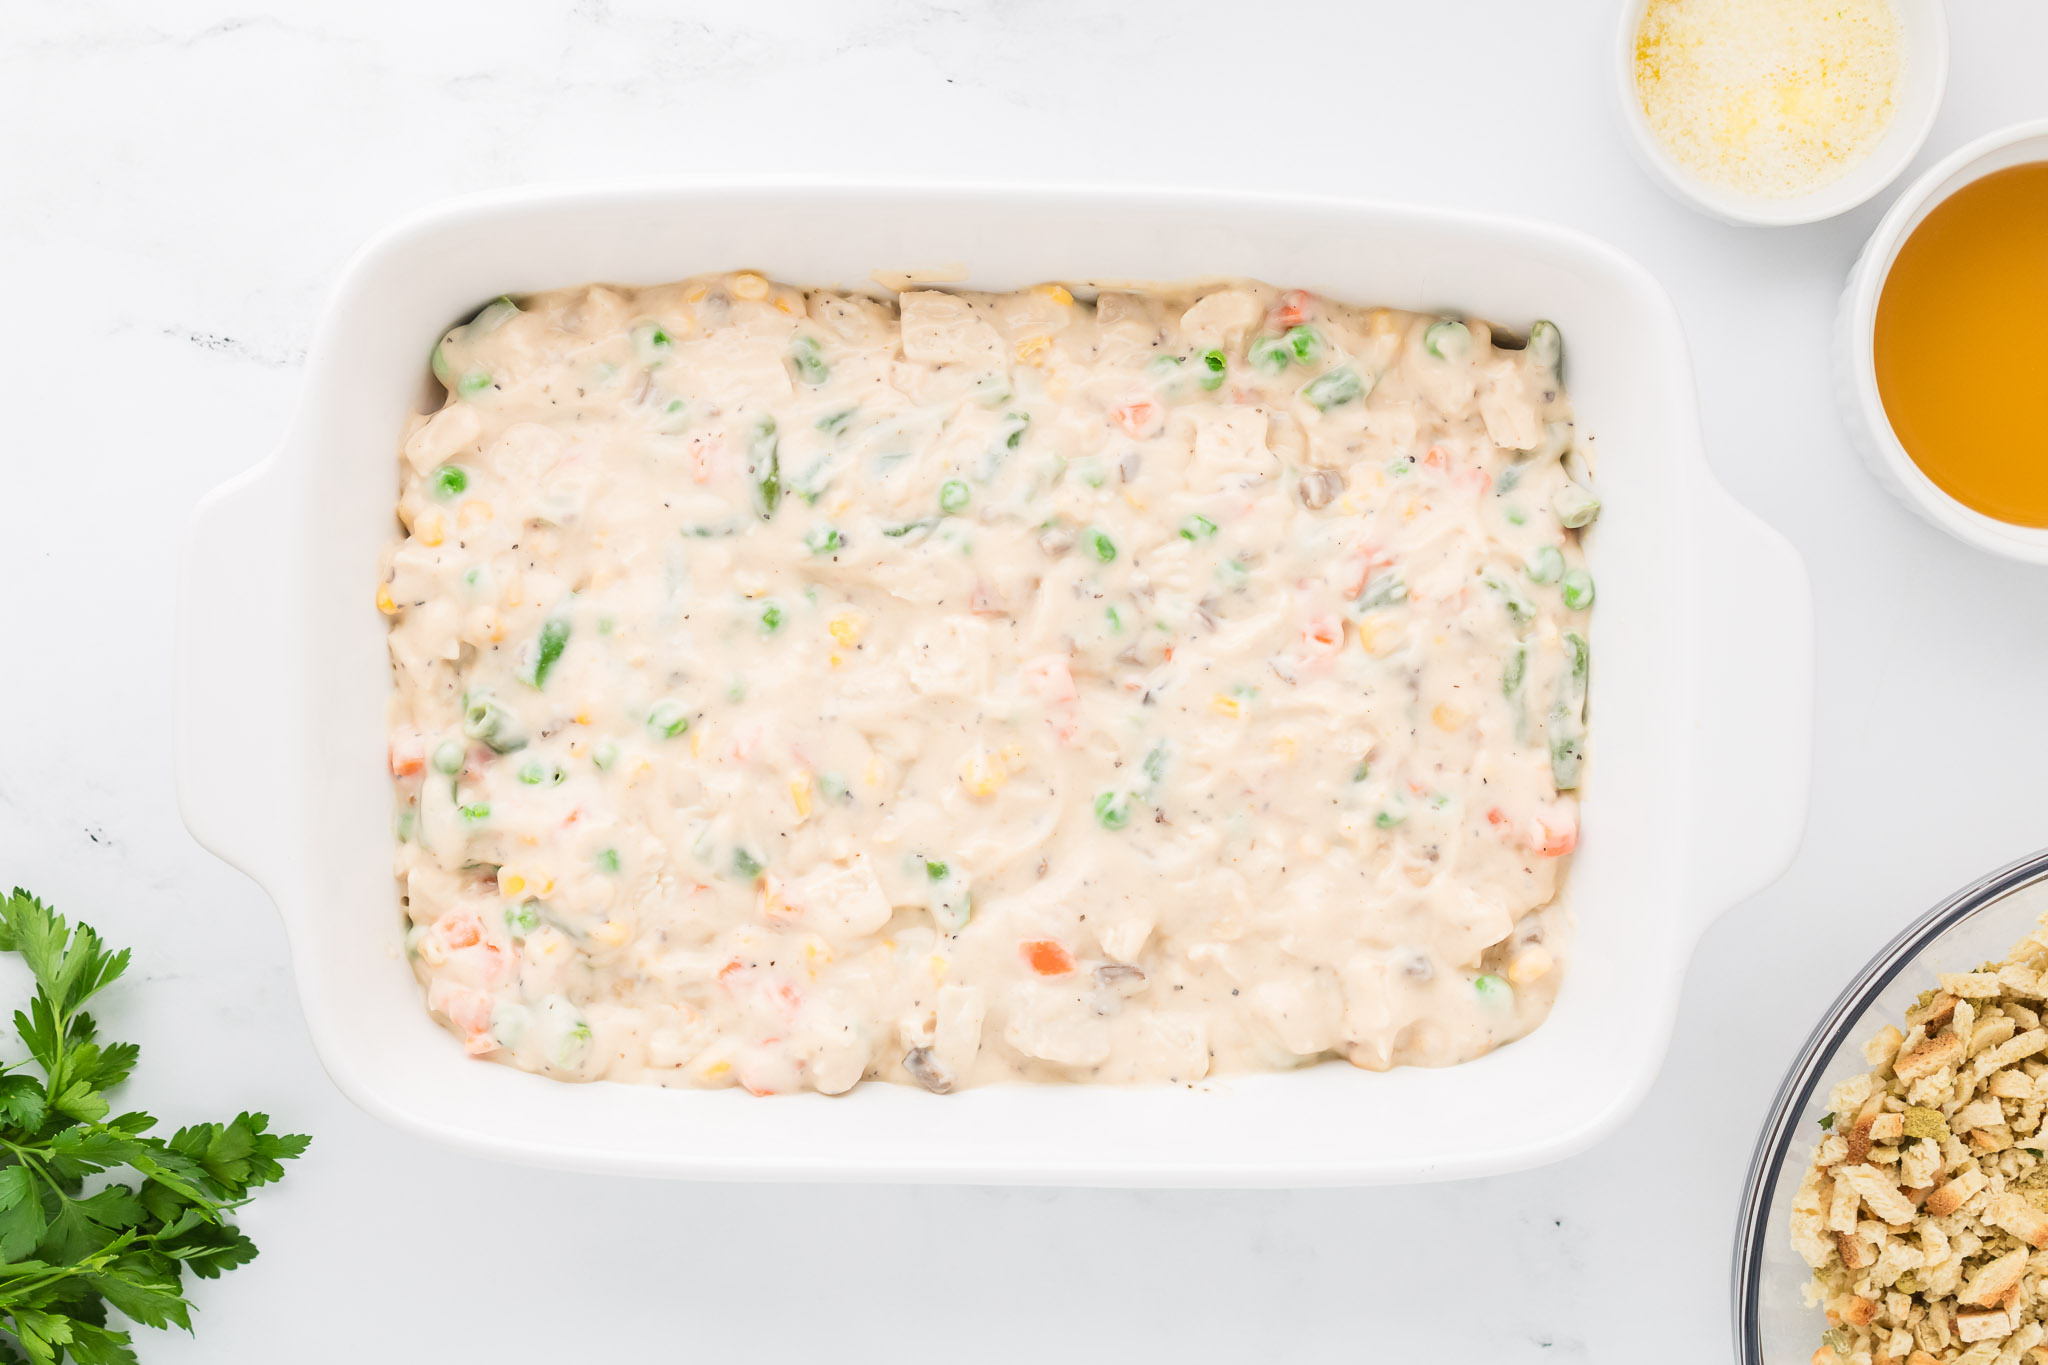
x=157, y=1207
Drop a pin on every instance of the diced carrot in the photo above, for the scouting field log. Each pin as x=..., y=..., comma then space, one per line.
x=726, y=973
x=459, y=930
x=1557, y=833
x=1140, y=417
x=1436, y=458
x=1322, y=636
x=1476, y=479
x=1048, y=957
x=1496, y=817
x=1050, y=679
x=408, y=755
x=1293, y=309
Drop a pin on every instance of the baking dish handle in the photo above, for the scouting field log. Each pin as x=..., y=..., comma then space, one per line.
x=237, y=644
x=1752, y=722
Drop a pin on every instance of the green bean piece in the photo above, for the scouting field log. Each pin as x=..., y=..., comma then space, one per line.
x=1575, y=505
x=473, y=383
x=1113, y=810
x=604, y=753
x=1519, y=606
x=485, y=720
x=1546, y=346
x=1197, y=527
x=668, y=718
x=764, y=470
x=1362, y=771
x=745, y=864
x=1014, y=426
x=1581, y=660
x=1494, y=990
x=954, y=496
x=1270, y=353
x=522, y=919
x=1516, y=669
x=771, y=618
x=1546, y=564
x=1389, y=818
x=1155, y=763
x=492, y=316
x=535, y=773
x=832, y=423
x=474, y=813
x=554, y=638
x=402, y=824
x=1305, y=343
x=1578, y=589
x=608, y=860
x=1383, y=589
x=935, y=869
x=901, y=529
x=1448, y=340
x=1105, y=548
x=809, y=359
x=450, y=480
x=448, y=757
x=1215, y=367
x=824, y=540
x=437, y=361
x=1334, y=389
x=1567, y=756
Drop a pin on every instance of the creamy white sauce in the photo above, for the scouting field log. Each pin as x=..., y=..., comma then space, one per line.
x=800, y=686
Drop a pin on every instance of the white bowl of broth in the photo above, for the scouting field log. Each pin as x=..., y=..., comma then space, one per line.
x=1941, y=362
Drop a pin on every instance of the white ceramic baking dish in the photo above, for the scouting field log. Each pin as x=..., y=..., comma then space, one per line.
x=1700, y=705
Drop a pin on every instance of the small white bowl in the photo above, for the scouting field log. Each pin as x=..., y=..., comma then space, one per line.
x=1922, y=84
x=1856, y=323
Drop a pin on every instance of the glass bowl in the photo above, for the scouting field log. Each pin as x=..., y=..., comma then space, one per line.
x=1981, y=922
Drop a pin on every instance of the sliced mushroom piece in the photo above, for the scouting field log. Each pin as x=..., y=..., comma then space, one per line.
x=1319, y=487
x=1120, y=976
x=926, y=1071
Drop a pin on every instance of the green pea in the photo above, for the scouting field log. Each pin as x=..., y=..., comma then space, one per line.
x=604, y=753
x=1215, y=365
x=1270, y=353
x=1575, y=506
x=668, y=718
x=1014, y=424
x=651, y=344
x=1113, y=810
x=1304, y=342
x=1197, y=527
x=521, y=919
x=608, y=860
x=1494, y=990
x=824, y=540
x=448, y=756
x=1105, y=548
x=771, y=617
x=475, y=813
x=1546, y=564
x=1448, y=340
x=532, y=774
x=473, y=383
x=449, y=480
x=935, y=870
x=809, y=358
x=1578, y=590
x=954, y=496
x=402, y=825
x=1114, y=619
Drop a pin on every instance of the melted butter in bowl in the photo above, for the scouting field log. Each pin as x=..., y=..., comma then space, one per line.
x=795, y=687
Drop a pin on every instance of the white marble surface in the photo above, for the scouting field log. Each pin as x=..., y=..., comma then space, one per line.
x=180, y=181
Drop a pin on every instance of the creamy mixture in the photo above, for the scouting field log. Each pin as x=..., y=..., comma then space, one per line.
x=795, y=686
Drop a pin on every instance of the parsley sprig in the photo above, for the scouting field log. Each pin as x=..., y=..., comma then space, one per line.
x=157, y=1207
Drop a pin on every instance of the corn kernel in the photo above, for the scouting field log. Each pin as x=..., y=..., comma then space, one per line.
x=782, y=302
x=939, y=966
x=845, y=628
x=697, y=293
x=715, y=1070
x=583, y=716
x=982, y=774
x=384, y=602
x=1410, y=510
x=800, y=794
x=748, y=285
x=430, y=529
x=697, y=740
x=1284, y=748
x=1380, y=638
x=611, y=933
x=511, y=883
x=837, y=659
x=543, y=884
x=1033, y=350
x=1448, y=716
x=1056, y=386
x=1225, y=706
x=476, y=510
x=1132, y=499
x=1056, y=292
x=1532, y=962
x=432, y=953
x=873, y=776
x=1014, y=758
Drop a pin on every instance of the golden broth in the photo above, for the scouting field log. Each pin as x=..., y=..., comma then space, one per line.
x=1962, y=345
